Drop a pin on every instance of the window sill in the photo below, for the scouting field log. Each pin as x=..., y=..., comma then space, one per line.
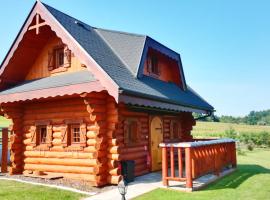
x=74, y=147
x=132, y=144
x=153, y=75
x=58, y=70
x=42, y=147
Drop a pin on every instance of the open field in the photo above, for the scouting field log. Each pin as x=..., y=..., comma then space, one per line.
x=216, y=129
x=250, y=182
x=4, y=122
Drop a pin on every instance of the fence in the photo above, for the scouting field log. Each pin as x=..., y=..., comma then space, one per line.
x=195, y=159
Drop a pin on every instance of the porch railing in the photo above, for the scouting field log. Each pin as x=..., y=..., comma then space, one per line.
x=4, y=149
x=195, y=159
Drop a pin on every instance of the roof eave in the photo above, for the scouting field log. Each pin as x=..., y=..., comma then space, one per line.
x=157, y=99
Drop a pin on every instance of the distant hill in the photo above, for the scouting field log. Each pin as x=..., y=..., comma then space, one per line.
x=253, y=118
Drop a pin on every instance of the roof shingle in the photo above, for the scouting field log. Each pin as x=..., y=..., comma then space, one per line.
x=119, y=55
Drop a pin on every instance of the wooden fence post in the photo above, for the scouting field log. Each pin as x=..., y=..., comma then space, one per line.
x=4, y=161
x=189, y=183
x=164, y=166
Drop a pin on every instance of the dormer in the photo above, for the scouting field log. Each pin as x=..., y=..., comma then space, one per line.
x=162, y=67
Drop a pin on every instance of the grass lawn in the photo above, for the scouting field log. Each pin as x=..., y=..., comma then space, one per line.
x=250, y=182
x=11, y=190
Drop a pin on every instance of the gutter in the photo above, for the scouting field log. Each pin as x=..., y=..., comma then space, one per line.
x=205, y=116
x=150, y=97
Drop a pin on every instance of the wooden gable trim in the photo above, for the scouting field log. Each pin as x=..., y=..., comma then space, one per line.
x=75, y=47
x=18, y=38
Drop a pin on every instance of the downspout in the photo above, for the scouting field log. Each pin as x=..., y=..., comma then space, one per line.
x=209, y=114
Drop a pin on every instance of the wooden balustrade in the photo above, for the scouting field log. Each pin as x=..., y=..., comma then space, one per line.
x=195, y=159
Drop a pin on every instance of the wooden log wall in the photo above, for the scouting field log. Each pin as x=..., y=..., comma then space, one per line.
x=96, y=162
x=139, y=151
x=186, y=121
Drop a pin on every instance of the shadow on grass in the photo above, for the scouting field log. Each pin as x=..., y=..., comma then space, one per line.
x=234, y=180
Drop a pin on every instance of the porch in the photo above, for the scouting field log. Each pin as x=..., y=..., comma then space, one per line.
x=194, y=164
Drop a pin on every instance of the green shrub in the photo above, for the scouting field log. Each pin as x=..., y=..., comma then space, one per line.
x=250, y=147
x=261, y=139
x=231, y=133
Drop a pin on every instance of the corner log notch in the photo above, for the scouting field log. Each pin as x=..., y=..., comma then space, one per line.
x=101, y=136
x=113, y=149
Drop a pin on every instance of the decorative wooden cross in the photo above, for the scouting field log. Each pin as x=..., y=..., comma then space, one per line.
x=38, y=25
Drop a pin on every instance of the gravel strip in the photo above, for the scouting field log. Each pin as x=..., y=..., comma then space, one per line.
x=76, y=184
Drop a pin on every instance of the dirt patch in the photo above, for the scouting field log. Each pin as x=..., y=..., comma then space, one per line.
x=76, y=184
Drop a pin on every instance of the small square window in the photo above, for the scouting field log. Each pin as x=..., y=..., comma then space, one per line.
x=175, y=130
x=153, y=66
x=59, y=57
x=42, y=134
x=75, y=133
x=131, y=132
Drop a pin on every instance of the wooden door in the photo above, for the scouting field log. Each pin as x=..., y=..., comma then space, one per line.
x=156, y=139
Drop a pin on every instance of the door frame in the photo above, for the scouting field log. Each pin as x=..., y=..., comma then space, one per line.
x=151, y=117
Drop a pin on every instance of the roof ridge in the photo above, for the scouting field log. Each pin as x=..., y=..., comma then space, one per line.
x=76, y=19
x=120, y=32
x=104, y=29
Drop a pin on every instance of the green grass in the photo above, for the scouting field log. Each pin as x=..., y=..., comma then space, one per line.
x=216, y=129
x=4, y=122
x=251, y=181
x=11, y=190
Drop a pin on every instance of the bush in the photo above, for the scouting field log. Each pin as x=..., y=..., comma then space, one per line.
x=231, y=133
x=250, y=147
x=261, y=139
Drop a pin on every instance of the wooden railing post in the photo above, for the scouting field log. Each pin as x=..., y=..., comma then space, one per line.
x=172, y=161
x=180, y=167
x=164, y=166
x=4, y=161
x=188, y=159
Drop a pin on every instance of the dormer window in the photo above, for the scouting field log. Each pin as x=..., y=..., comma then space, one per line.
x=153, y=65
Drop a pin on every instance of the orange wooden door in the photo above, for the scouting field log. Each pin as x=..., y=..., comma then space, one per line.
x=156, y=139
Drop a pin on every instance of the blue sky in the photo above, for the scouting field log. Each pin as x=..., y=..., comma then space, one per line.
x=224, y=45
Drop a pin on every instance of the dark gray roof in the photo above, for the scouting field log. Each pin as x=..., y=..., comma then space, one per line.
x=52, y=82
x=120, y=42
x=119, y=55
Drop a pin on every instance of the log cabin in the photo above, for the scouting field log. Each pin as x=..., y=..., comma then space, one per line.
x=82, y=99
